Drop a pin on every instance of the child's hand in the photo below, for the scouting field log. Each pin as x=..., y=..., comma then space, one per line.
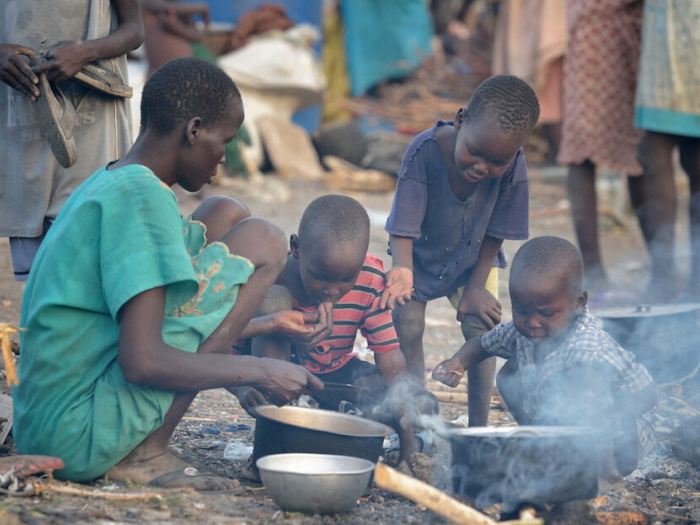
x=449, y=372
x=398, y=288
x=481, y=303
x=307, y=328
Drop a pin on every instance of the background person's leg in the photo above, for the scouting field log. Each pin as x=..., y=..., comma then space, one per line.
x=584, y=213
x=690, y=161
x=655, y=156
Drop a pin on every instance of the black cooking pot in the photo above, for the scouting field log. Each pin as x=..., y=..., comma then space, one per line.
x=525, y=465
x=663, y=337
x=279, y=430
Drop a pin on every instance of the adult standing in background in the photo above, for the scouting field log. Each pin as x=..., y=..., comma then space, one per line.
x=69, y=35
x=530, y=43
x=600, y=73
x=668, y=109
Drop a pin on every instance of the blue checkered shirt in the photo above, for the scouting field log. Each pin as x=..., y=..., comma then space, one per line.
x=586, y=344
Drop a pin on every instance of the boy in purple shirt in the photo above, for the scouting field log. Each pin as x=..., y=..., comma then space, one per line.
x=462, y=190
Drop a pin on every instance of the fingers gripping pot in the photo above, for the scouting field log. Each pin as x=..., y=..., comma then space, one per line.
x=525, y=465
x=280, y=430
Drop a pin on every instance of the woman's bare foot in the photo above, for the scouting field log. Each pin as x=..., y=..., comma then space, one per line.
x=166, y=470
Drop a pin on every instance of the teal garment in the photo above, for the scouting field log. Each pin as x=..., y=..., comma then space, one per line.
x=384, y=40
x=668, y=87
x=119, y=234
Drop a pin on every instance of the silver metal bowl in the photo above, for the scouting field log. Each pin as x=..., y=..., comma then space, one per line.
x=315, y=483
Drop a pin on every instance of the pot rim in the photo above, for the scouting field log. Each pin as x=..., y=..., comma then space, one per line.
x=380, y=429
x=364, y=465
x=525, y=431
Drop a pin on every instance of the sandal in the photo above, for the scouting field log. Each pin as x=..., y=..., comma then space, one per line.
x=97, y=76
x=26, y=465
x=56, y=116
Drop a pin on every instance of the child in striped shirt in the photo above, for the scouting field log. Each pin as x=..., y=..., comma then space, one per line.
x=329, y=270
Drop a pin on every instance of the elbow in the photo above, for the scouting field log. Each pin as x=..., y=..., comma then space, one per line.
x=139, y=372
x=137, y=35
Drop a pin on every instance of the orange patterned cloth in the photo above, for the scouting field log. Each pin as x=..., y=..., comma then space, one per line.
x=600, y=75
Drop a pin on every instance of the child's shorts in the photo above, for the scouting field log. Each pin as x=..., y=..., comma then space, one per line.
x=23, y=251
x=491, y=286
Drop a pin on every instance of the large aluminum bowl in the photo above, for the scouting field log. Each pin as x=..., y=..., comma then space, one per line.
x=315, y=483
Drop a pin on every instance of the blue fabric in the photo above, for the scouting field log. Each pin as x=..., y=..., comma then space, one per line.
x=384, y=39
x=300, y=11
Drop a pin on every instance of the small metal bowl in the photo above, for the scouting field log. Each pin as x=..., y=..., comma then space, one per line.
x=315, y=483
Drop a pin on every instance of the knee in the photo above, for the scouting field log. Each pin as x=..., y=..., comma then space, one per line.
x=220, y=214
x=277, y=299
x=473, y=326
x=227, y=209
x=507, y=382
x=260, y=241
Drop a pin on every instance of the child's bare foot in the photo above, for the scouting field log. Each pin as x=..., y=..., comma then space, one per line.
x=166, y=470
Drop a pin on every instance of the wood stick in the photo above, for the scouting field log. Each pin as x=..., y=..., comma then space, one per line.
x=10, y=368
x=428, y=496
x=96, y=493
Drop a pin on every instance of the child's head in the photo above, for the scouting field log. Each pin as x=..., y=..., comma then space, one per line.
x=500, y=116
x=546, y=288
x=198, y=104
x=331, y=246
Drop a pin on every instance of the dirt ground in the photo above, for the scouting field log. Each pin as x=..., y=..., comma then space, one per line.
x=665, y=489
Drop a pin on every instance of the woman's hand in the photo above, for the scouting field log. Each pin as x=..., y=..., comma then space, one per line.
x=284, y=381
x=250, y=398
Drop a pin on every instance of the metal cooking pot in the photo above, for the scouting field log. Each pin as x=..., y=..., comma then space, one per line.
x=663, y=337
x=525, y=464
x=279, y=430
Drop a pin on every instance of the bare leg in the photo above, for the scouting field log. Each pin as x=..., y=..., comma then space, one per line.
x=510, y=388
x=690, y=160
x=552, y=134
x=639, y=199
x=264, y=245
x=655, y=155
x=278, y=299
x=584, y=206
x=409, y=321
x=480, y=377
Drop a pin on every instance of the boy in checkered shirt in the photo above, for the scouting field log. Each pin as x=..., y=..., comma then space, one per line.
x=562, y=368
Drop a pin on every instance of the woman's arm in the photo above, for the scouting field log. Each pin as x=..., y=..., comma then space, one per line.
x=146, y=359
